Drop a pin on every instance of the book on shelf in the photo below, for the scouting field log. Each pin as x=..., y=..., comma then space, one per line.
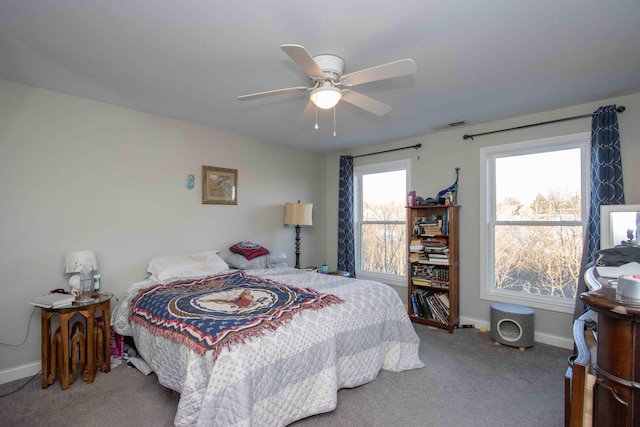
x=436, y=249
x=445, y=222
x=53, y=300
x=422, y=307
x=431, y=284
x=430, y=305
x=415, y=245
x=433, y=261
x=439, y=261
x=423, y=298
x=436, y=314
x=445, y=300
x=434, y=241
x=441, y=310
x=414, y=304
x=438, y=256
x=433, y=302
x=433, y=221
x=431, y=225
x=440, y=274
x=442, y=285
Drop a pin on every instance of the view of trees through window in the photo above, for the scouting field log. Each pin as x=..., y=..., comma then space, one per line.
x=384, y=244
x=538, y=235
x=383, y=223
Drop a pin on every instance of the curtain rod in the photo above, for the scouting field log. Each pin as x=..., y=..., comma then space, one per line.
x=388, y=151
x=619, y=110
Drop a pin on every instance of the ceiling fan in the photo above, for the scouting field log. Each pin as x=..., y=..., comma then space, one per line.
x=329, y=85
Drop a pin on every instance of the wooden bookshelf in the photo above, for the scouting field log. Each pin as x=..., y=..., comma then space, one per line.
x=432, y=248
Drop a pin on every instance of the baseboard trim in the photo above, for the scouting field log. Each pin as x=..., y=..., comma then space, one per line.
x=31, y=369
x=19, y=372
x=543, y=338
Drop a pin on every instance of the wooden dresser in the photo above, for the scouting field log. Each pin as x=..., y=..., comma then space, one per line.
x=616, y=393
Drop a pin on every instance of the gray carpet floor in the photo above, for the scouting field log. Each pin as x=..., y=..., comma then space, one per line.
x=467, y=381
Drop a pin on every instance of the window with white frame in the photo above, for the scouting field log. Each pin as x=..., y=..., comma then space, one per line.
x=381, y=221
x=534, y=200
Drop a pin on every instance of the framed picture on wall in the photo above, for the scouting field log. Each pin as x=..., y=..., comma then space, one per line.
x=219, y=186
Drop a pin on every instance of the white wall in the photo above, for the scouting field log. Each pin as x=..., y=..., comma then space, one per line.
x=79, y=174
x=433, y=168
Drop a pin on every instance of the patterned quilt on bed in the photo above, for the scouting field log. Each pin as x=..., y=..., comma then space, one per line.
x=289, y=373
x=216, y=312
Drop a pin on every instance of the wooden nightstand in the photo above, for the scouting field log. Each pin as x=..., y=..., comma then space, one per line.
x=86, y=343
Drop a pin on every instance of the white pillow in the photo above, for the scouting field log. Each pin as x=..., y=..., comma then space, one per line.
x=277, y=257
x=187, y=265
x=241, y=263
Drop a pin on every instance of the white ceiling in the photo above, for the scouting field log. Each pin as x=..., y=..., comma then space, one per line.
x=478, y=61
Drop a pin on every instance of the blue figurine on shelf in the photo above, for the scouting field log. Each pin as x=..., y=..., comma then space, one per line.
x=449, y=194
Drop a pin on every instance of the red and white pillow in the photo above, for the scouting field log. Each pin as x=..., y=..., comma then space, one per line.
x=249, y=250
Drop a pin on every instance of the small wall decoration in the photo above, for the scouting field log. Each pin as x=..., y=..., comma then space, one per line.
x=219, y=186
x=191, y=179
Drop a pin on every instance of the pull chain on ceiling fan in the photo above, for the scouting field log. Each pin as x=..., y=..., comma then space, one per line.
x=329, y=83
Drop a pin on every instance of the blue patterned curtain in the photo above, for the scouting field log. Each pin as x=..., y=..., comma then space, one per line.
x=606, y=184
x=606, y=170
x=346, y=245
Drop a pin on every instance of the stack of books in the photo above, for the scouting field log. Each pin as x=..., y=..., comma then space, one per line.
x=415, y=245
x=436, y=253
x=421, y=280
x=436, y=258
x=54, y=300
x=431, y=229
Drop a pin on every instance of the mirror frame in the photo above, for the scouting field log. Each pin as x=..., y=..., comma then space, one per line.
x=605, y=222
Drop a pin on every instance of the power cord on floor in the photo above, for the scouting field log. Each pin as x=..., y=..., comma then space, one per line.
x=21, y=387
x=26, y=336
x=18, y=345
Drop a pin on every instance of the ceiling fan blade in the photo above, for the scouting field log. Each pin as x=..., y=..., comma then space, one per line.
x=366, y=103
x=403, y=67
x=272, y=92
x=305, y=61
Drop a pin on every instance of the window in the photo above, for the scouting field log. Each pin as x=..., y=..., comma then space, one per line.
x=534, y=211
x=381, y=221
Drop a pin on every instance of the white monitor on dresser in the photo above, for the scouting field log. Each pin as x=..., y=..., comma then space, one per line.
x=619, y=223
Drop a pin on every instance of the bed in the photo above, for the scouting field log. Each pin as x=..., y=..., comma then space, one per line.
x=289, y=368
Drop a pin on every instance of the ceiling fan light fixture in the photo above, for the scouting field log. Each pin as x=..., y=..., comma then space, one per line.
x=326, y=97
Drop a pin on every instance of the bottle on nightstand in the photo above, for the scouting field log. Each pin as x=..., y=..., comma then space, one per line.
x=85, y=286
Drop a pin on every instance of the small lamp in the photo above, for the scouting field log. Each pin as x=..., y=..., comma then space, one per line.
x=326, y=96
x=298, y=214
x=80, y=262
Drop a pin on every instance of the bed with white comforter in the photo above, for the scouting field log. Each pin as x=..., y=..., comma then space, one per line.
x=288, y=373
